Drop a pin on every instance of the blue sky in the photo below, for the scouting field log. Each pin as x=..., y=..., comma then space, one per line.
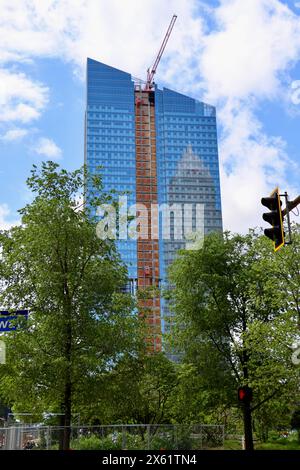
x=240, y=55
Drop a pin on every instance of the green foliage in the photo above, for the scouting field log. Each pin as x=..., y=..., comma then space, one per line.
x=284, y=445
x=162, y=443
x=94, y=443
x=80, y=323
x=176, y=439
x=133, y=441
x=237, y=314
x=115, y=441
x=236, y=318
x=141, y=390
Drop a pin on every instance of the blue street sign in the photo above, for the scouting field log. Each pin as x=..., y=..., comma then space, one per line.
x=14, y=312
x=6, y=318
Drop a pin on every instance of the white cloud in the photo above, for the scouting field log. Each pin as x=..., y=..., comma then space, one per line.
x=14, y=134
x=245, y=52
x=244, y=62
x=252, y=164
x=256, y=41
x=125, y=34
x=21, y=99
x=48, y=148
x=241, y=62
x=5, y=223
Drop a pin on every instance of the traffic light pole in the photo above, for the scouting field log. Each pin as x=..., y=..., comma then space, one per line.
x=291, y=205
x=248, y=426
x=245, y=398
x=286, y=212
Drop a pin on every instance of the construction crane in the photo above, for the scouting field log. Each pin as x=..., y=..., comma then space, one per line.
x=151, y=72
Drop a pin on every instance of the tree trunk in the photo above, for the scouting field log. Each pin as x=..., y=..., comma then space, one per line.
x=65, y=418
x=247, y=406
x=67, y=401
x=61, y=428
x=67, y=415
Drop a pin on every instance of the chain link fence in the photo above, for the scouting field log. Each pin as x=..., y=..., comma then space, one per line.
x=115, y=437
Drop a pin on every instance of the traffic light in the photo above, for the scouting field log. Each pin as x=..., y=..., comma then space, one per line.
x=245, y=394
x=275, y=218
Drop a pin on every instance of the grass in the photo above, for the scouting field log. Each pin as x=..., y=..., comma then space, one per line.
x=272, y=444
x=278, y=445
x=232, y=444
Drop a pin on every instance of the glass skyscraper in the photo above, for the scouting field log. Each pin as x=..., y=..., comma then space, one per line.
x=160, y=147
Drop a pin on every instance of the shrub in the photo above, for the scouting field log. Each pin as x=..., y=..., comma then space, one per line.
x=111, y=442
x=86, y=443
x=162, y=442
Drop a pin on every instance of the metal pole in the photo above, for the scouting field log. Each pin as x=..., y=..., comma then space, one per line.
x=288, y=216
x=291, y=205
x=148, y=437
x=201, y=437
x=223, y=436
x=286, y=212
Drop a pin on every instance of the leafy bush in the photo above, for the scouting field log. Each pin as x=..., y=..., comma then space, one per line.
x=168, y=442
x=184, y=442
x=274, y=435
x=111, y=442
x=162, y=442
x=86, y=443
x=119, y=441
x=134, y=442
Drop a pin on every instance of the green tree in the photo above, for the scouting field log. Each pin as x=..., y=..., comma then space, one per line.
x=234, y=321
x=142, y=389
x=80, y=323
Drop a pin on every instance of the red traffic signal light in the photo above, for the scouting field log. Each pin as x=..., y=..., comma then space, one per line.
x=275, y=218
x=245, y=394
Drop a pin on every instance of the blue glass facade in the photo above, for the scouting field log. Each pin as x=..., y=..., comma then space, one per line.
x=186, y=153
x=110, y=138
x=187, y=164
x=186, y=135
